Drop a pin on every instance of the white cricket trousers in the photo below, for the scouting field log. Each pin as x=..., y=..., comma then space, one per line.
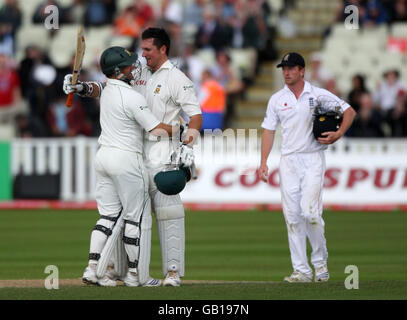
x=301, y=183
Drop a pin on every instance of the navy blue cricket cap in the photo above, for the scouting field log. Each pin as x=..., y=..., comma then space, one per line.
x=292, y=59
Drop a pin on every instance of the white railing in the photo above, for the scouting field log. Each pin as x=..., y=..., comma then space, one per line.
x=73, y=158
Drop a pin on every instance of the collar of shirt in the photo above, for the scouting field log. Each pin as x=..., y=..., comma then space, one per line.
x=307, y=88
x=118, y=83
x=166, y=65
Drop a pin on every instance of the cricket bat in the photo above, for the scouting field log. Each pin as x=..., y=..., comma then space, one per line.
x=80, y=52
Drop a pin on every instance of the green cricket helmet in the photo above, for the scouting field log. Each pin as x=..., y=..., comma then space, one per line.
x=115, y=58
x=172, y=181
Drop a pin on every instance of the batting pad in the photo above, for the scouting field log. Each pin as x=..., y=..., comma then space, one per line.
x=172, y=238
x=120, y=257
x=99, y=236
x=132, y=245
x=145, y=248
x=169, y=213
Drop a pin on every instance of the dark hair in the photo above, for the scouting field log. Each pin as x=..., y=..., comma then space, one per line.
x=361, y=79
x=395, y=71
x=160, y=37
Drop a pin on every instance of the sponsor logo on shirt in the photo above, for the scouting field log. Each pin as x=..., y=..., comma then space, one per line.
x=188, y=87
x=285, y=107
x=157, y=90
x=141, y=82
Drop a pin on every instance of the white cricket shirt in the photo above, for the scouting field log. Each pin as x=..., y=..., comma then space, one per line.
x=295, y=117
x=168, y=92
x=123, y=116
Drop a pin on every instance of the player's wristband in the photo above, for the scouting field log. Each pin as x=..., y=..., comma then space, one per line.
x=88, y=89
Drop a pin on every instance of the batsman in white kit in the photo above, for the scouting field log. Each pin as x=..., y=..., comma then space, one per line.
x=306, y=132
x=121, y=177
x=169, y=94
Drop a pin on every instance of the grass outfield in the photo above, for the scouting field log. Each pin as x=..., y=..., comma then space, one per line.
x=247, y=247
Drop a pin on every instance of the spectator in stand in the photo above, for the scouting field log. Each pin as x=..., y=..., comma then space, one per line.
x=386, y=94
x=7, y=43
x=398, y=11
x=33, y=56
x=67, y=122
x=134, y=19
x=376, y=14
x=193, y=66
x=398, y=116
x=254, y=28
x=96, y=13
x=331, y=86
x=212, y=98
x=10, y=92
x=317, y=75
x=368, y=122
x=171, y=21
x=75, y=13
x=193, y=13
x=358, y=88
x=171, y=11
x=27, y=127
x=10, y=13
x=213, y=33
x=111, y=9
x=42, y=92
x=229, y=78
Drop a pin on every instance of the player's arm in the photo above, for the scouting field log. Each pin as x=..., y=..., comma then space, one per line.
x=267, y=141
x=194, y=127
x=135, y=106
x=332, y=136
x=185, y=96
x=165, y=130
x=91, y=89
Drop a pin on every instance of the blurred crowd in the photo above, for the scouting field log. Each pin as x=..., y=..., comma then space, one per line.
x=381, y=112
x=375, y=12
x=33, y=104
x=31, y=90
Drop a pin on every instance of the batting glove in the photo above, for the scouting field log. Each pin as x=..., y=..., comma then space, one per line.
x=68, y=87
x=186, y=155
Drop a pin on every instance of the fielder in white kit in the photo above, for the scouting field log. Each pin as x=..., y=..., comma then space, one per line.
x=302, y=165
x=168, y=93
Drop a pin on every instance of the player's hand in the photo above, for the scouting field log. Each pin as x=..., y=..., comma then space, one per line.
x=329, y=137
x=68, y=87
x=186, y=155
x=264, y=172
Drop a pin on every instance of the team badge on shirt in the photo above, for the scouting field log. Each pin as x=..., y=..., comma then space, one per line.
x=157, y=90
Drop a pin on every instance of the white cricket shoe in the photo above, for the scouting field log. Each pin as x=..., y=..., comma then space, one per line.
x=131, y=280
x=322, y=274
x=151, y=282
x=172, y=279
x=105, y=281
x=297, y=276
x=89, y=275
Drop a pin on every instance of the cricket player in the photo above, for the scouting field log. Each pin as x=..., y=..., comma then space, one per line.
x=302, y=165
x=169, y=94
x=121, y=177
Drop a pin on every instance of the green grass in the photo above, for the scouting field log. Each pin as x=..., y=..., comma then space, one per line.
x=238, y=246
